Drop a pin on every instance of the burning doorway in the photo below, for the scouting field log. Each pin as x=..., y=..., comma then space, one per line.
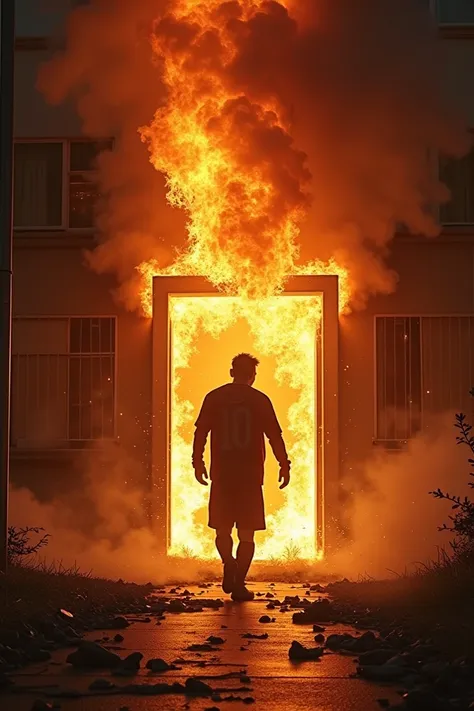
x=196, y=331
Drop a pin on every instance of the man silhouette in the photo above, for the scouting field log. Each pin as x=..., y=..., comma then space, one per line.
x=237, y=416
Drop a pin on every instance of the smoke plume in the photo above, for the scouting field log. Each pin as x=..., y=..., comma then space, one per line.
x=359, y=114
x=394, y=520
x=101, y=523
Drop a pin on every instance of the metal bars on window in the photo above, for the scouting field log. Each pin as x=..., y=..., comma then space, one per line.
x=424, y=368
x=63, y=381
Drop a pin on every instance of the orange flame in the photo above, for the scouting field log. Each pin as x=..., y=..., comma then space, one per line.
x=230, y=163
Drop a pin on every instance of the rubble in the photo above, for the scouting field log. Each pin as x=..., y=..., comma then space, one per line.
x=159, y=665
x=90, y=655
x=319, y=611
x=298, y=652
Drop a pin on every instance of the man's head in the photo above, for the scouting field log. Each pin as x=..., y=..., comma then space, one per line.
x=244, y=369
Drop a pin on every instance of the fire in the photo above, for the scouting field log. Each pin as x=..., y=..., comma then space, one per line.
x=291, y=520
x=230, y=162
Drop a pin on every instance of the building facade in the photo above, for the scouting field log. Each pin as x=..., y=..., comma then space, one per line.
x=82, y=365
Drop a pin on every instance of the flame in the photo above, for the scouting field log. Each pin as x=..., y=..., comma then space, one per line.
x=291, y=526
x=230, y=162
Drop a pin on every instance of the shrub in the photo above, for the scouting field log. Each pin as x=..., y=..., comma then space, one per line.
x=19, y=544
x=462, y=521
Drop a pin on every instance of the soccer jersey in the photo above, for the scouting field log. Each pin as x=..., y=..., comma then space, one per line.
x=238, y=416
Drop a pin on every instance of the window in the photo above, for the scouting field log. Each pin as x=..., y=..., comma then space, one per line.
x=55, y=184
x=42, y=18
x=424, y=367
x=455, y=12
x=63, y=381
x=458, y=175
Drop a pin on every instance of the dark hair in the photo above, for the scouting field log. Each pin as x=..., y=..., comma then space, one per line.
x=244, y=364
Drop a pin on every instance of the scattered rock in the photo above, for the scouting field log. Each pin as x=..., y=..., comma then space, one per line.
x=385, y=672
x=116, y=623
x=41, y=705
x=249, y=635
x=215, y=640
x=423, y=700
x=101, y=684
x=376, y=657
x=318, y=611
x=244, y=679
x=206, y=647
x=118, y=638
x=159, y=665
x=318, y=628
x=130, y=665
x=196, y=687
x=265, y=619
x=319, y=638
x=299, y=653
x=90, y=655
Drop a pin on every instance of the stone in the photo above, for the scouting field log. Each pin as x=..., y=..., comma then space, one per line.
x=196, y=687
x=176, y=606
x=318, y=611
x=118, y=623
x=206, y=647
x=90, y=655
x=215, y=640
x=433, y=670
x=376, y=657
x=318, y=628
x=36, y=654
x=9, y=638
x=130, y=665
x=101, y=685
x=41, y=705
x=249, y=635
x=423, y=699
x=384, y=672
x=319, y=638
x=119, y=638
x=244, y=679
x=159, y=665
x=265, y=619
x=298, y=652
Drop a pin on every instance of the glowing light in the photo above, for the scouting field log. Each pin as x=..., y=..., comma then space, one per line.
x=245, y=208
x=292, y=524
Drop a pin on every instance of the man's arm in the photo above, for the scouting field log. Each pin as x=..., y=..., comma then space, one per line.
x=203, y=426
x=274, y=434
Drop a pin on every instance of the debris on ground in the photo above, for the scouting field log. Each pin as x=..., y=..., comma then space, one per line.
x=298, y=652
x=90, y=655
x=249, y=635
x=159, y=665
x=318, y=611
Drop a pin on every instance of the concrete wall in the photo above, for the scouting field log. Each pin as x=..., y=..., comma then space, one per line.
x=435, y=278
x=55, y=282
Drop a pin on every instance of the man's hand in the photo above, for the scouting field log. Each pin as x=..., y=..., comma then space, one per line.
x=200, y=472
x=284, y=476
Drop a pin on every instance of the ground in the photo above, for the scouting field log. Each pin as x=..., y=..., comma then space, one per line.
x=276, y=683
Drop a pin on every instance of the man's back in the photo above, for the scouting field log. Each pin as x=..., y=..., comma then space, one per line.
x=238, y=416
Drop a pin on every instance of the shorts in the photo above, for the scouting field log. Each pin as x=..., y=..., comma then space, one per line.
x=234, y=502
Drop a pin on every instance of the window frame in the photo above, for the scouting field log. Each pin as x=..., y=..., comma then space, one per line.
x=397, y=444
x=439, y=208
x=436, y=10
x=81, y=444
x=66, y=183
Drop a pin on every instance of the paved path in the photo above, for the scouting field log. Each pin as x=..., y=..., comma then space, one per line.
x=276, y=683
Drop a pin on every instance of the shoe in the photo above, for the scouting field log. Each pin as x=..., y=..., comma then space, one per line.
x=242, y=594
x=228, y=579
